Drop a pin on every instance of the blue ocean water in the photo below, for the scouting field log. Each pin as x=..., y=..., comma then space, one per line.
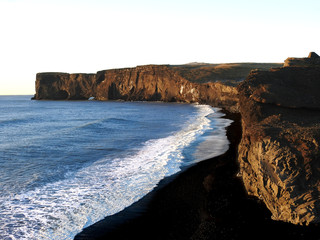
x=65, y=165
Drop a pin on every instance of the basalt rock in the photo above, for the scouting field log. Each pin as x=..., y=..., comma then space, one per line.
x=142, y=83
x=279, y=153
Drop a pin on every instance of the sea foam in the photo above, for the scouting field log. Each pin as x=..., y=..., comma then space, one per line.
x=61, y=209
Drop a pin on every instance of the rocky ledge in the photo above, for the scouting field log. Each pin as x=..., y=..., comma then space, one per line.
x=279, y=153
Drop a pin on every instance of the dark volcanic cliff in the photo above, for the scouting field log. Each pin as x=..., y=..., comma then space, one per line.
x=143, y=83
x=279, y=152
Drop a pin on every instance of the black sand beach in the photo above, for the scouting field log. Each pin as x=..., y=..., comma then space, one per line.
x=206, y=201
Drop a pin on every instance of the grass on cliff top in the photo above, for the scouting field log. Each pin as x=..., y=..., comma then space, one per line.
x=228, y=73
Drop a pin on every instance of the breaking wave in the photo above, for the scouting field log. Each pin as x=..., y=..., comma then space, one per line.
x=61, y=209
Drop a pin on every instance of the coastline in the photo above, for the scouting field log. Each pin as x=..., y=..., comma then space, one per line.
x=208, y=201
x=205, y=201
x=175, y=201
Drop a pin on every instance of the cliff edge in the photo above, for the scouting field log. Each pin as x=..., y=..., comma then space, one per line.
x=279, y=153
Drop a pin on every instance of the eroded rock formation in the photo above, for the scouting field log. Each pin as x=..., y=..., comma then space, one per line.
x=143, y=83
x=279, y=152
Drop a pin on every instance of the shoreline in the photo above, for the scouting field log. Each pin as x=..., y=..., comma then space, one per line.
x=205, y=201
x=123, y=225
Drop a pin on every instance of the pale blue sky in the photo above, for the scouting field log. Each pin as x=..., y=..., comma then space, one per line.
x=91, y=35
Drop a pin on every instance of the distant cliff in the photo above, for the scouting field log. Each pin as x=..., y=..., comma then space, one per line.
x=213, y=84
x=279, y=153
x=142, y=83
x=64, y=86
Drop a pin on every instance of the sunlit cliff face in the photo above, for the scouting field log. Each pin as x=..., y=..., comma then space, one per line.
x=279, y=150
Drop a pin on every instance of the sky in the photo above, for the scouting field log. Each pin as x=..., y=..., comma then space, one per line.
x=91, y=35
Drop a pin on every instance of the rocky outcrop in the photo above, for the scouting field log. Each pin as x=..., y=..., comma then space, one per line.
x=143, y=83
x=279, y=153
x=313, y=55
x=313, y=60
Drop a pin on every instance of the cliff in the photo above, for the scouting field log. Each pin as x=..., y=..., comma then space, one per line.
x=143, y=83
x=62, y=86
x=279, y=152
x=214, y=84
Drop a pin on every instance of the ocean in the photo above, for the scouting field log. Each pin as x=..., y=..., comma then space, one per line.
x=65, y=165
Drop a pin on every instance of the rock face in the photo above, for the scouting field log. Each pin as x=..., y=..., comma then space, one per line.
x=279, y=153
x=143, y=83
x=60, y=86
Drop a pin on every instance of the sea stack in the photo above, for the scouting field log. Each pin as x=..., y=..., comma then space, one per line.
x=279, y=153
